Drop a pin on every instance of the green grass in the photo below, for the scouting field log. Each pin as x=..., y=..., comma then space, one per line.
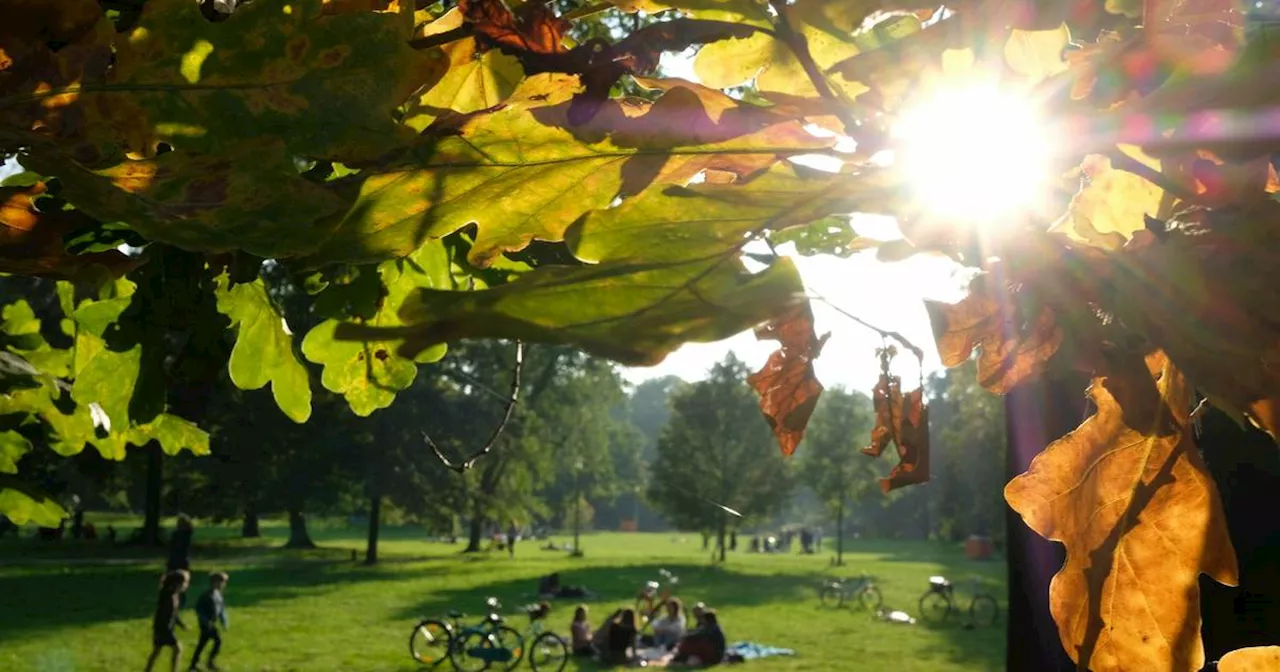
x=317, y=610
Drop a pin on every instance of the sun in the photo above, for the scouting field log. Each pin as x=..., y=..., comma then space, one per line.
x=975, y=153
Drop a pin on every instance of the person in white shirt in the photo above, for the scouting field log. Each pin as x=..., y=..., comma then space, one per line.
x=669, y=628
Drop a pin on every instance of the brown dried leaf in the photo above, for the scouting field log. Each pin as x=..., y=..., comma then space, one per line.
x=534, y=29
x=31, y=240
x=787, y=385
x=1141, y=519
x=1010, y=349
x=904, y=421
x=1251, y=659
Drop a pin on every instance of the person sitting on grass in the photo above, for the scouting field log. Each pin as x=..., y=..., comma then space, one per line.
x=615, y=641
x=172, y=585
x=581, y=633
x=702, y=647
x=669, y=628
x=210, y=611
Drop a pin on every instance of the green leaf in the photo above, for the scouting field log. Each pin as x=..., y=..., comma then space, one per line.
x=829, y=235
x=369, y=374
x=21, y=504
x=263, y=352
x=23, y=179
x=174, y=434
x=325, y=85
x=523, y=172
x=473, y=82
x=1129, y=8
x=12, y=447
x=105, y=376
x=651, y=308
x=751, y=12
x=680, y=223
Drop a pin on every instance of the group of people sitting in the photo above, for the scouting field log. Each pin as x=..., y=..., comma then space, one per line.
x=619, y=641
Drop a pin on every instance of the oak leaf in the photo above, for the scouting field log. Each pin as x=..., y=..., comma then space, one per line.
x=787, y=385
x=901, y=420
x=532, y=28
x=32, y=230
x=1141, y=519
x=1251, y=659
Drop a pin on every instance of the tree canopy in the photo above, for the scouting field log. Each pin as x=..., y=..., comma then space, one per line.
x=428, y=173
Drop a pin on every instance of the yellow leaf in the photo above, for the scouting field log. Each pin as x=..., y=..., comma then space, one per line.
x=1130, y=497
x=1252, y=659
x=1037, y=54
x=1112, y=206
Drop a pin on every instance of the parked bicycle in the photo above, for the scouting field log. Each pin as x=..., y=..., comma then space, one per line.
x=861, y=591
x=435, y=640
x=478, y=648
x=937, y=604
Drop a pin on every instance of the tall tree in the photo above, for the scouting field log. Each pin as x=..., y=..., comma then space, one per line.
x=830, y=460
x=717, y=451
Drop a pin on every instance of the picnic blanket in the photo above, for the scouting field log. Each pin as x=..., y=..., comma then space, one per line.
x=754, y=650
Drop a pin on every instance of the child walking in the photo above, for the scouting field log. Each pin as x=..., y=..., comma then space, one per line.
x=172, y=585
x=210, y=611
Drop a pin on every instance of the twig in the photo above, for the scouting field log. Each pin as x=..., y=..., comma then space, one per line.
x=1122, y=161
x=800, y=47
x=1199, y=410
x=438, y=39
x=884, y=333
x=497, y=431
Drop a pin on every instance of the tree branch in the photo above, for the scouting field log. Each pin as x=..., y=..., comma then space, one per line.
x=884, y=333
x=470, y=461
x=800, y=47
x=1122, y=161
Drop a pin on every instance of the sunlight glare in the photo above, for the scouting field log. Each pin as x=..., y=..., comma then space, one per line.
x=975, y=153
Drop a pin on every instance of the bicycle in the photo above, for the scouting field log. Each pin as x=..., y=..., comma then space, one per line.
x=835, y=592
x=434, y=640
x=939, y=601
x=480, y=646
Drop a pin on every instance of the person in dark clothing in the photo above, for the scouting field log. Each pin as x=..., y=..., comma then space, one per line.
x=704, y=646
x=210, y=611
x=180, y=545
x=512, y=533
x=619, y=637
x=172, y=585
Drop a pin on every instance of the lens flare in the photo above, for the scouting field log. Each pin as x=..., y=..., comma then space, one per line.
x=975, y=154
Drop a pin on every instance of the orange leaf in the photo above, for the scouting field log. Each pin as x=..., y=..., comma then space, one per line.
x=904, y=421
x=787, y=385
x=1251, y=659
x=1009, y=352
x=31, y=240
x=1141, y=520
x=536, y=29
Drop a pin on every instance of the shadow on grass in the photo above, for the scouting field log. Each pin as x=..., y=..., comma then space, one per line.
x=48, y=597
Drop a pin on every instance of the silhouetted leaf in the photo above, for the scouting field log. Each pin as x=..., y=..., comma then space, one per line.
x=1141, y=519
x=787, y=385
x=901, y=420
x=31, y=238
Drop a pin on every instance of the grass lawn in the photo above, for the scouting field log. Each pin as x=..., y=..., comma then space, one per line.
x=70, y=607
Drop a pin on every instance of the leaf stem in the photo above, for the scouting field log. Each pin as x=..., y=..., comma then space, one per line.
x=470, y=461
x=884, y=333
x=1122, y=161
x=800, y=47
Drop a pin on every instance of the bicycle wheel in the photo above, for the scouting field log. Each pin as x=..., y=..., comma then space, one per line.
x=429, y=643
x=831, y=596
x=934, y=607
x=548, y=652
x=870, y=598
x=472, y=651
x=512, y=641
x=983, y=610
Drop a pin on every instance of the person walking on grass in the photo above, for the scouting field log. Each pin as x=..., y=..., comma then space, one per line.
x=172, y=585
x=512, y=534
x=210, y=611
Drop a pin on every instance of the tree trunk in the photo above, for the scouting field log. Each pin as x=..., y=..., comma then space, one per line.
x=477, y=529
x=1245, y=465
x=375, y=515
x=1035, y=414
x=155, y=481
x=298, y=536
x=840, y=533
x=249, y=528
x=720, y=534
